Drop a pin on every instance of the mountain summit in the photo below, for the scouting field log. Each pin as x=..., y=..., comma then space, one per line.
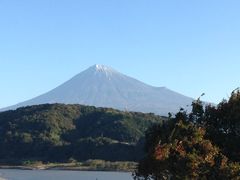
x=102, y=86
x=108, y=71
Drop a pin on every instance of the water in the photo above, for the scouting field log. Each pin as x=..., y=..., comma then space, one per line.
x=12, y=174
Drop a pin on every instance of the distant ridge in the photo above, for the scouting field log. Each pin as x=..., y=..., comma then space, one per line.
x=103, y=86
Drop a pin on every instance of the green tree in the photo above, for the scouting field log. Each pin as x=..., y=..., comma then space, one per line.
x=222, y=123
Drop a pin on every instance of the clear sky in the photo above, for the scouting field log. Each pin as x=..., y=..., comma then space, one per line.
x=188, y=46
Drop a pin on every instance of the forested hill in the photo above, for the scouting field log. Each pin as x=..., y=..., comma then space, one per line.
x=57, y=132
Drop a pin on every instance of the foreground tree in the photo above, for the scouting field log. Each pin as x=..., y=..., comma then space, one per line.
x=201, y=145
x=223, y=125
x=184, y=153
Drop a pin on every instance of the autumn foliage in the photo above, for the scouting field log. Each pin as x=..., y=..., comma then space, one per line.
x=194, y=145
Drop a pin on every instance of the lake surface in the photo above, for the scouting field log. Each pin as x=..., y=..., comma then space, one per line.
x=12, y=174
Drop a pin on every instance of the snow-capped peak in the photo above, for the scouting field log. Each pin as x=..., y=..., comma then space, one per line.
x=102, y=86
x=102, y=69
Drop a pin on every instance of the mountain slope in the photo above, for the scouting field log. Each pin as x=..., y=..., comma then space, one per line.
x=103, y=86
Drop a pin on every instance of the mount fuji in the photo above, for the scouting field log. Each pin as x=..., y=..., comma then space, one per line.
x=102, y=86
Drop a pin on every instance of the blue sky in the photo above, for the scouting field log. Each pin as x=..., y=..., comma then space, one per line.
x=188, y=46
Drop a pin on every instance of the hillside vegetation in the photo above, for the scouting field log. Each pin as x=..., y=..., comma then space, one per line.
x=57, y=133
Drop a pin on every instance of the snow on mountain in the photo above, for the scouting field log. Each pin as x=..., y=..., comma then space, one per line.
x=102, y=86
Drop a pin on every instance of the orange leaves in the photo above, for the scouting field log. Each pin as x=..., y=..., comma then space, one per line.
x=161, y=152
x=180, y=149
